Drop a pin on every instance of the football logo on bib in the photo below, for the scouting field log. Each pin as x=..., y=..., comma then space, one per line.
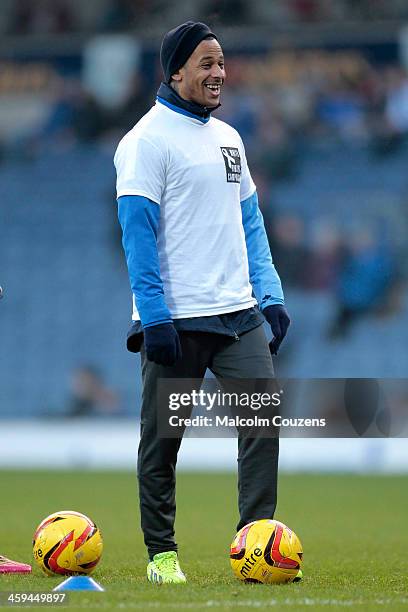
x=232, y=161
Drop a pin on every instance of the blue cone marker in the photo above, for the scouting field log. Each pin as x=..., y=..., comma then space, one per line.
x=79, y=583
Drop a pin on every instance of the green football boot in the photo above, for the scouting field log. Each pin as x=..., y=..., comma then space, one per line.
x=165, y=569
x=298, y=576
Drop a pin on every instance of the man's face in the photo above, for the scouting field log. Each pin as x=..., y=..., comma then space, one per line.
x=202, y=76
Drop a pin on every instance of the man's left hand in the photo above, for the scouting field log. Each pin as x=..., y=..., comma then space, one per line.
x=278, y=318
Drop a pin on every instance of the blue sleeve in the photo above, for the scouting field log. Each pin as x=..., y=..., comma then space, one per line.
x=139, y=218
x=264, y=278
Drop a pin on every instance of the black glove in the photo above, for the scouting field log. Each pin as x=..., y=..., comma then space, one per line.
x=162, y=344
x=279, y=320
x=134, y=338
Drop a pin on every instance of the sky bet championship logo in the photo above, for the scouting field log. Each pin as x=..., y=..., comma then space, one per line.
x=232, y=163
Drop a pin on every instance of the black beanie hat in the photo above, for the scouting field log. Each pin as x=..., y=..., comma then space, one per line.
x=179, y=44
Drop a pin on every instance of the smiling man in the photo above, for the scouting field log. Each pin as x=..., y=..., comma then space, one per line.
x=200, y=271
x=202, y=76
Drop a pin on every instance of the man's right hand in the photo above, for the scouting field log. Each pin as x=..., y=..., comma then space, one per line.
x=162, y=344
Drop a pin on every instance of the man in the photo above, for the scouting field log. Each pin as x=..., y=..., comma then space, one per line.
x=196, y=251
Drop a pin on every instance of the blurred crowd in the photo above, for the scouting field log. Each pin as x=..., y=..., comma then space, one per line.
x=58, y=16
x=360, y=269
x=296, y=95
x=275, y=102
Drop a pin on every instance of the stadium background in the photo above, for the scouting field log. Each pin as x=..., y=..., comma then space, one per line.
x=318, y=91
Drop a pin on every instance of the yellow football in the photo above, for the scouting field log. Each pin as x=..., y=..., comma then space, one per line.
x=266, y=551
x=67, y=543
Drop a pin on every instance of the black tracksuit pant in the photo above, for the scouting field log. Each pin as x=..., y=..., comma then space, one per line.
x=248, y=357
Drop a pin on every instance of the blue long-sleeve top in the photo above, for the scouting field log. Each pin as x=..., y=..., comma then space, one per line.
x=263, y=276
x=140, y=217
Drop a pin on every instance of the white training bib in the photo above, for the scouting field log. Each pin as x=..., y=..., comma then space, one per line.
x=197, y=173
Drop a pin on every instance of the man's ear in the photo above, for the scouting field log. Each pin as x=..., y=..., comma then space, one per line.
x=177, y=76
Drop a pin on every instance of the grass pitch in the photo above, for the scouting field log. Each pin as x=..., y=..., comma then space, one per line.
x=353, y=529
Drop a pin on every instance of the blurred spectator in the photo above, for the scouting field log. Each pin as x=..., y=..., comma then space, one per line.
x=122, y=15
x=226, y=11
x=90, y=396
x=41, y=17
x=74, y=116
x=387, y=116
x=396, y=103
x=321, y=265
x=137, y=103
x=366, y=279
x=342, y=110
x=306, y=10
x=287, y=241
x=273, y=152
x=88, y=118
